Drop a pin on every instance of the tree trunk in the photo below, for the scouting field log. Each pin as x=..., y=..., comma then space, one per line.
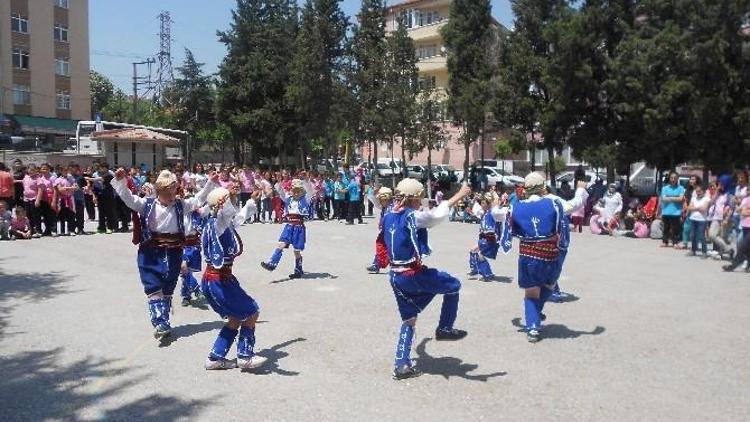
x=392, y=164
x=429, y=172
x=375, y=175
x=552, y=167
x=404, y=172
x=467, y=146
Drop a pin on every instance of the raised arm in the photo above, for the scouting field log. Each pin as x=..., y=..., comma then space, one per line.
x=120, y=185
x=225, y=216
x=435, y=216
x=200, y=198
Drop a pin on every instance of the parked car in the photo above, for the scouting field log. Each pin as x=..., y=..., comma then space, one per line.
x=446, y=171
x=417, y=171
x=569, y=177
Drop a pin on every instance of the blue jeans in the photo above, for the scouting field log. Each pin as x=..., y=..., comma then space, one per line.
x=698, y=235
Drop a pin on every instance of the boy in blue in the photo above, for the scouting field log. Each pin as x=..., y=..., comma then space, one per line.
x=541, y=226
x=161, y=240
x=355, y=201
x=222, y=245
x=671, y=199
x=414, y=285
x=384, y=204
x=489, y=230
x=191, y=257
x=296, y=209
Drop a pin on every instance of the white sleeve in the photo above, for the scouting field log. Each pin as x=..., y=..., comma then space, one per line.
x=225, y=217
x=430, y=218
x=499, y=214
x=578, y=201
x=199, y=199
x=133, y=202
x=477, y=210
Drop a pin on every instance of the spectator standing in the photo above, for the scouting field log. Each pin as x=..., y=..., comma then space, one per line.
x=330, y=208
x=697, y=216
x=19, y=172
x=338, y=197
x=105, y=198
x=7, y=187
x=65, y=186
x=671, y=199
x=79, y=198
x=247, y=181
x=719, y=216
x=686, y=226
x=46, y=200
x=355, y=202
x=88, y=193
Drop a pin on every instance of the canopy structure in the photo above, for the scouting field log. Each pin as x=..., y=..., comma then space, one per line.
x=135, y=135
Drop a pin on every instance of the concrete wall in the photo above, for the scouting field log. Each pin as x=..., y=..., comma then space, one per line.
x=80, y=101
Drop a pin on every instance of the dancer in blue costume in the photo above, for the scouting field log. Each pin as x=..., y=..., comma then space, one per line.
x=221, y=246
x=384, y=203
x=296, y=210
x=543, y=230
x=490, y=217
x=191, y=257
x=414, y=285
x=161, y=240
x=578, y=201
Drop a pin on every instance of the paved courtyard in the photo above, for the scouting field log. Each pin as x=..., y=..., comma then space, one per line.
x=650, y=335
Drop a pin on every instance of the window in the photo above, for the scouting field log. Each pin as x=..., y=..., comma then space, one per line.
x=427, y=51
x=63, y=100
x=61, y=3
x=427, y=83
x=21, y=95
x=19, y=23
x=62, y=66
x=61, y=33
x=20, y=58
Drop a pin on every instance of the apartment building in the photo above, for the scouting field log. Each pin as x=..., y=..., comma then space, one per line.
x=44, y=67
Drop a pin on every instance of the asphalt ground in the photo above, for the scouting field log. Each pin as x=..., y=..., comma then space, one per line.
x=649, y=335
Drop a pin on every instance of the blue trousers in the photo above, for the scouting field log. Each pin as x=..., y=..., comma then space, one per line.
x=159, y=269
x=415, y=290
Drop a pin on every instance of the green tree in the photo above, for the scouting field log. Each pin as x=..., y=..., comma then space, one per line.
x=468, y=37
x=254, y=77
x=102, y=92
x=430, y=133
x=368, y=49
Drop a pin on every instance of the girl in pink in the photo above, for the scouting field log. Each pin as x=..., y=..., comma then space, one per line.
x=577, y=218
x=30, y=194
x=46, y=200
x=65, y=186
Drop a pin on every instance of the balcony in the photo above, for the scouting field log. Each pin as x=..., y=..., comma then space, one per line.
x=432, y=64
x=427, y=32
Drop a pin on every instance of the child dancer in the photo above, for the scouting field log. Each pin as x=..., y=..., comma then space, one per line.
x=191, y=257
x=489, y=213
x=414, y=285
x=296, y=209
x=161, y=239
x=222, y=245
x=383, y=203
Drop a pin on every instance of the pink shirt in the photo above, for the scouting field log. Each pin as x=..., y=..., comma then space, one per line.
x=30, y=188
x=247, y=180
x=47, y=184
x=20, y=223
x=226, y=183
x=745, y=222
x=65, y=196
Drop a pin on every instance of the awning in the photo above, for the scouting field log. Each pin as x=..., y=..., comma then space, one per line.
x=45, y=124
x=135, y=135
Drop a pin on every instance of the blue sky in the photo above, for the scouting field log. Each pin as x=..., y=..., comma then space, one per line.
x=122, y=32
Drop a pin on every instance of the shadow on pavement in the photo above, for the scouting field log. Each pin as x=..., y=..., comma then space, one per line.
x=449, y=366
x=187, y=330
x=559, y=331
x=274, y=354
x=36, y=386
x=502, y=279
x=28, y=287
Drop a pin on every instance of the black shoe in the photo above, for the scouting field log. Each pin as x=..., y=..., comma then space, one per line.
x=542, y=317
x=267, y=266
x=449, y=335
x=729, y=268
x=373, y=269
x=185, y=301
x=533, y=336
x=294, y=275
x=405, y=371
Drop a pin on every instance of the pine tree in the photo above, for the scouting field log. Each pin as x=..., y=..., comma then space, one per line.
x=468, y=37
x=254, y=77
x=368, y=50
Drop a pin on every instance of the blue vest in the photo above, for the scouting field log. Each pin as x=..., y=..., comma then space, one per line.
x=149, y=210
x=405, y=242
x=303, y=206
x=197, y=221
x=536, y=221
x=219, y=248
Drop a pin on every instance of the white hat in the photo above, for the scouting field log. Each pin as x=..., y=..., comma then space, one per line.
x=297, y=184
x=410, y=188
x=166, y=179
x=385, y=192
x=217, y=195
x=533, y=180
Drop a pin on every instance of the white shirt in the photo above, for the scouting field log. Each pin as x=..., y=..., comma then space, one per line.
x=165, y=217
x=702, y=204
x=428, y=218
x=578, y=201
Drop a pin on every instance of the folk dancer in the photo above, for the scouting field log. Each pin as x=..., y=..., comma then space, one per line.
x=570, y=207
x=489, y=213
x=414, y=285
x=384, y=202
x=296, y=210
x=221, y=246
x=541, y=226
x=161, y=238
x=191, y=257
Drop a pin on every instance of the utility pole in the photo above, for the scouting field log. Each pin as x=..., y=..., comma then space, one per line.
x=165, y=74
x=140, y=80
